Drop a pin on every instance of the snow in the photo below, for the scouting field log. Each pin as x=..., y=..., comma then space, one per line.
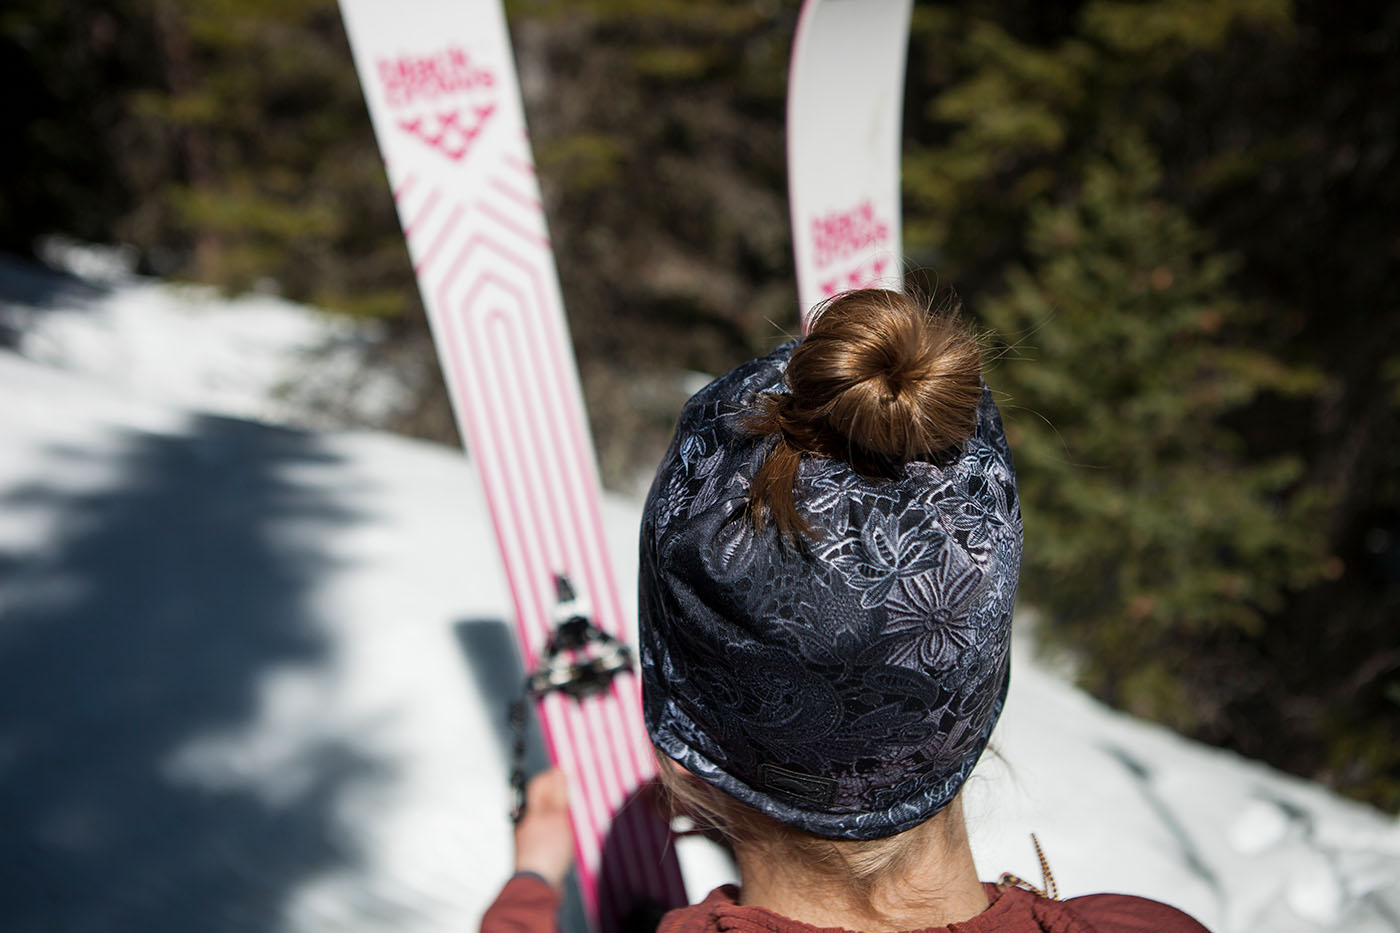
x=253, y=673
x=252, y=356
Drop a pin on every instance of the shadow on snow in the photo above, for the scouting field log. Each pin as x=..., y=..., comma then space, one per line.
x=28, y=289
x=148, y=624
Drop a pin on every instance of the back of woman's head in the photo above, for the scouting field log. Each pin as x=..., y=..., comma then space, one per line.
x=845, y=687
x=878, y=381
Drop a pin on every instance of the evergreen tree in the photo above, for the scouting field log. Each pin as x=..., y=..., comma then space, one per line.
x=1152, y=529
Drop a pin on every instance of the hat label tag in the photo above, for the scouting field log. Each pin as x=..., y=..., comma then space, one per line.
x=796, y=784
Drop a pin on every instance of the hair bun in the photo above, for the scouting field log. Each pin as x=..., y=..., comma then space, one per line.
x=878, y=381
x=891, y=378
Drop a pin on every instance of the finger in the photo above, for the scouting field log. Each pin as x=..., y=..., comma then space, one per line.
x=548, y=791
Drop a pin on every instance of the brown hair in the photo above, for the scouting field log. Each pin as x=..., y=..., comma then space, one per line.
x=878, y=381
x=850, y=868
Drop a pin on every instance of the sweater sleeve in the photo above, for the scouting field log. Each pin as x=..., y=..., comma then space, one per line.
x=527, y=904
x=1125, y=913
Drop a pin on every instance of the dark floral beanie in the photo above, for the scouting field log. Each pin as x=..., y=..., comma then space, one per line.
x=847, y=684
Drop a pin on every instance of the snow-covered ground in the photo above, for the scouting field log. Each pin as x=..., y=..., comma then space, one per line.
x=253, y=675
x=254, y=356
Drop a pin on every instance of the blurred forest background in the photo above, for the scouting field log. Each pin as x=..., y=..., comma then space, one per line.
x=1177, y=220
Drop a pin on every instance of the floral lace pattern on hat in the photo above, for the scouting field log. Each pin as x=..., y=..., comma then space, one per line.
x=876, y=655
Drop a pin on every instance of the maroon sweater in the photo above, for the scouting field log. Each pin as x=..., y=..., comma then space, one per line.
x=528, y=905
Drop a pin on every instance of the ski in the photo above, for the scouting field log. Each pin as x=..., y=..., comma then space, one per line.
x=844, y=119
x=440, y=83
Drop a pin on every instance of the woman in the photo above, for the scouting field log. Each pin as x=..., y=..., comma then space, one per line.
x=829, y=559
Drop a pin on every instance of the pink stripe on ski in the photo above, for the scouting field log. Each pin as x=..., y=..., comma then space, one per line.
x=564, y=745
x=423, y=213
x=541, y=419
x=560, y=747
x=523, y=408
x=404, y=188
x=599, y=576
x=526, y=201
x=515, y=478
x=593, y=551
x=444, y=232
x=600, y=570
x=520, y=165
x=520, y=230
x=594, y=773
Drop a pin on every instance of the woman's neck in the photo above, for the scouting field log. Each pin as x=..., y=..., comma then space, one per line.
x=937, y=886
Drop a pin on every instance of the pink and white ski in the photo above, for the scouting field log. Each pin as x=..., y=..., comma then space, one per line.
x=844, y=118
x=440, y=82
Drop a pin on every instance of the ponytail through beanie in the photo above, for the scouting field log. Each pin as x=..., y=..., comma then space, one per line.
x=878, y=381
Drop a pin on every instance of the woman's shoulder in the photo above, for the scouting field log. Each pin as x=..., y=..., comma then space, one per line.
x=701, y=917
x=1090, y=913
x=1011, y=910
x=1127, y=913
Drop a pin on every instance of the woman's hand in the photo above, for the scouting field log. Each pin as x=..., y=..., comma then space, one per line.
x=544, y=838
